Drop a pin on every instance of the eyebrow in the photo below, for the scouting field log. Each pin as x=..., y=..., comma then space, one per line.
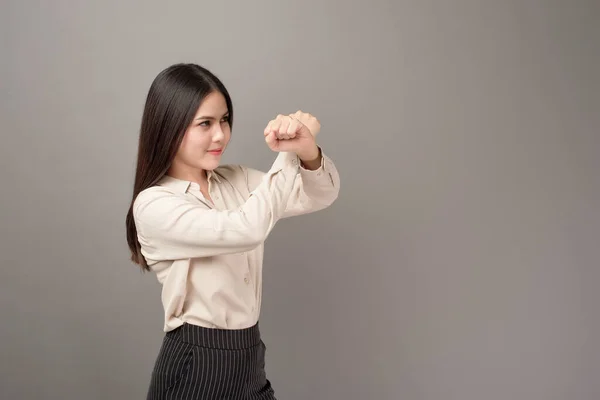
x=207, y=117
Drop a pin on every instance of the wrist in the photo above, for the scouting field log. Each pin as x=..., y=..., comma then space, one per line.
x=312, y=159
x=309, y=155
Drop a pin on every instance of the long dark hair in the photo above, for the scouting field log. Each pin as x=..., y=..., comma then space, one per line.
x=171, y=104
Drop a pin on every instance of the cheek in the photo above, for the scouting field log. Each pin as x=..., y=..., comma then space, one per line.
x=200, y=142
x=193, y=144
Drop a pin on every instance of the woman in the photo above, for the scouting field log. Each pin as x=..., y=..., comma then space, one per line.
x=200, y=227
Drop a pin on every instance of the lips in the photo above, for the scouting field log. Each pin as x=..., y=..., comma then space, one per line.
x=216, y=152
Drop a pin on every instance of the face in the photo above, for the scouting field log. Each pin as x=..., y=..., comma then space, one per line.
x=206, y=138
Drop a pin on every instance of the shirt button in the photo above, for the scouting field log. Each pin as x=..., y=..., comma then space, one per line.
x=246, y=280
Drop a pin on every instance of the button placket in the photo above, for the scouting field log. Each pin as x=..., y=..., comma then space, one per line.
x=214, y=194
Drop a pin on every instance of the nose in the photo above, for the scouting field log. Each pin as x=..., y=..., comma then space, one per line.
x=218, y=134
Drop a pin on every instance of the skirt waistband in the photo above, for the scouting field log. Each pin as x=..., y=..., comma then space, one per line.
x=216, y=338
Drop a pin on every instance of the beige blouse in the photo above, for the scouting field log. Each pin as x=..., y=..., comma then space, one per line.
x=208, y=257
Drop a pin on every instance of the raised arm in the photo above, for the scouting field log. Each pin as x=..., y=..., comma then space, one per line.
x=313, y=190
x=318, y=183
x=170, y=227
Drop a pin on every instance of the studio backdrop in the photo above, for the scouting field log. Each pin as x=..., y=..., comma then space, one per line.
x=460, y=260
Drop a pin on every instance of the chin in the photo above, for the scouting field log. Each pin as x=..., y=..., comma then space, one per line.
x=209, y=166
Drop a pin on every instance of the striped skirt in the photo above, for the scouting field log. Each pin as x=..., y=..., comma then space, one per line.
x=204, y=363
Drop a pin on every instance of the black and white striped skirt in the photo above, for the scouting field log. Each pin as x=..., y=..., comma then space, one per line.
x=204, y=363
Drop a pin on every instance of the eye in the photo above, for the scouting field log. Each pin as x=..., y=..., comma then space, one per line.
x=225, y=119
x=204, y=123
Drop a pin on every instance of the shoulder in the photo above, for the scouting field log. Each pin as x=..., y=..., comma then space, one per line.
x=153, y=192
x=148, y=199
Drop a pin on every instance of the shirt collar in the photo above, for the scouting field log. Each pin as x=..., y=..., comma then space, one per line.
x=177, y=185
x=182, y=186
x=212, y=175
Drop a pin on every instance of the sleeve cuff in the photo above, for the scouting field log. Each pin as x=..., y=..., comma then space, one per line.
x=319, y=175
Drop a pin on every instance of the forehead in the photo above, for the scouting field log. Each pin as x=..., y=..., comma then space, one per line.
x=213, y=105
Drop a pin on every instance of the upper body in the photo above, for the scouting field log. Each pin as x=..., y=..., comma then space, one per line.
x=209, y=255
x=201, y=226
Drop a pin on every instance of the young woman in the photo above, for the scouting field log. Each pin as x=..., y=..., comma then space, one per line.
x=200, y=227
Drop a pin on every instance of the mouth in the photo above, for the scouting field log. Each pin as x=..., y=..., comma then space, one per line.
x=215, y=152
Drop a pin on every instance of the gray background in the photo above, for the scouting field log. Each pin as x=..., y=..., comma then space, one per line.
x=460, y=261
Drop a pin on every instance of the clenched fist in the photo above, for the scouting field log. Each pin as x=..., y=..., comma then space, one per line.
x=288, y=133
x=312, y=123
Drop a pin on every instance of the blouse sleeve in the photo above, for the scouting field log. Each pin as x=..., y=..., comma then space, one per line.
x=314, y=190
x=171, y=227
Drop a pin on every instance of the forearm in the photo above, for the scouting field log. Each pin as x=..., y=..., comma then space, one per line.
x=172, y=227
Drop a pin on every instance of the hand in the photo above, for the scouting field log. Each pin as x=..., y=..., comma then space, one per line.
x=288, y=134
x=313, y=124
